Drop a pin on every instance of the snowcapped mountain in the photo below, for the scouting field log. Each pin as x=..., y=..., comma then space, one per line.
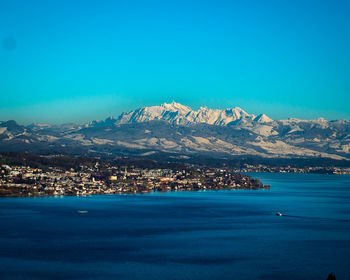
x=262, y=118
x=173, y=113
x=176, y=128
x=176, y=113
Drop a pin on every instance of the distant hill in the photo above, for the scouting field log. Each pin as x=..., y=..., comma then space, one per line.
x=182, y=132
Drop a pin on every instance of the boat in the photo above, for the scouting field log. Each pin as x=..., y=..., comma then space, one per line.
x=279, y=214
x=82, y=211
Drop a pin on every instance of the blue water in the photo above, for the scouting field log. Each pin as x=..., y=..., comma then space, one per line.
x=183, y=235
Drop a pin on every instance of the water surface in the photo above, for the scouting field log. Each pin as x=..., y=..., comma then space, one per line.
x=183, y=235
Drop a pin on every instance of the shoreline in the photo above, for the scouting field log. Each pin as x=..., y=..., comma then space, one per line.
x=265, y=187
x=131, y=194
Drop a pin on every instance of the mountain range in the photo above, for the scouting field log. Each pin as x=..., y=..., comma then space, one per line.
x=177, y=129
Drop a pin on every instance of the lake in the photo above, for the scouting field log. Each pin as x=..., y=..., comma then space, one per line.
x=183, y=235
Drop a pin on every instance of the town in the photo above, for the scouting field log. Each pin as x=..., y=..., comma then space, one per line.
x=106, y=178
x=290, y=169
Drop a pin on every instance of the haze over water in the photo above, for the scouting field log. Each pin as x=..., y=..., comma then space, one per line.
x=183, y=235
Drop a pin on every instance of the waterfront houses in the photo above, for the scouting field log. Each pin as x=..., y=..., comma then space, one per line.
x=109, y=179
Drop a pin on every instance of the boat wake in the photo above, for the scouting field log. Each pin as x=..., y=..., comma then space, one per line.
x=316, y=218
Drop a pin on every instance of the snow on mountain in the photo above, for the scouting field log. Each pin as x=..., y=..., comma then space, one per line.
x=177, y=128
x=2, y=129
x=177, y=113
x=216, y=116
x=109, y=121
x=262, y=118
x=172, y=113
x=38, y=126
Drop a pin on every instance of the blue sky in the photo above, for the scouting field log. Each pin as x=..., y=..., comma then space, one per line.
x=64, y=61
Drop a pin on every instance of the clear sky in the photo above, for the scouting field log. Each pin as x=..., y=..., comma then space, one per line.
x=64, y=61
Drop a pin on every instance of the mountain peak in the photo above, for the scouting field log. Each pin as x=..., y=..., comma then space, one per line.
x=321, y=120
x=262, y=118
x=177, y=113
x=173, y=106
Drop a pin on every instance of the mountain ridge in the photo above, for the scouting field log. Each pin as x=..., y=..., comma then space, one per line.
x=176, y=128
x=182, y=114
